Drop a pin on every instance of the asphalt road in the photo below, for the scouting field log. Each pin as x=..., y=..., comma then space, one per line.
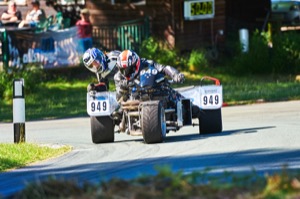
x=261, y=137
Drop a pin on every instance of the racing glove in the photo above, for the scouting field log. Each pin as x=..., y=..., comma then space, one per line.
x=97, y=87
x=90, y=87
x=179, y=78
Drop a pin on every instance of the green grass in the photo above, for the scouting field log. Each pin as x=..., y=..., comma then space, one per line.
x=59, y=98
x=249, y=89
x=18, y=155
x=51, y=100
x=173, y=185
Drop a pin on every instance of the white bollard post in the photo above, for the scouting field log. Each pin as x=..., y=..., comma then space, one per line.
x=19, y=110
x=244, y=39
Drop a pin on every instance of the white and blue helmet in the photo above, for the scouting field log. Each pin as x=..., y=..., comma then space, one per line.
x=95, y=60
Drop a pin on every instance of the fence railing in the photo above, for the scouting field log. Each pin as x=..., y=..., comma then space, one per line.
x=4, y=55
x=126, y=35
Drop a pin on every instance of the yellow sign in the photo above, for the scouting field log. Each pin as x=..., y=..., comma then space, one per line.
x=199, y=9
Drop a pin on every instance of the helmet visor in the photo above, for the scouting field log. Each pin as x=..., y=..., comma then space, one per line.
x=127, y=71
x=96, y=66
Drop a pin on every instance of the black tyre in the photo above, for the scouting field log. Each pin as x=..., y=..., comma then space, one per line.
x=102, y=129
x=210, y=121
x=153, y=122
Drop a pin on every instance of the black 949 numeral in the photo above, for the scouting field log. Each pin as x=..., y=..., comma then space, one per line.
x=99, y=106
x=211, y=100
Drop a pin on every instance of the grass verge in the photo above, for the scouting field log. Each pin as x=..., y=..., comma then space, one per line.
x=170, y=185
x=18, y=155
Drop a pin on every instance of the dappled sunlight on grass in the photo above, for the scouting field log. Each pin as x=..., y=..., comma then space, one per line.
x=63, y=99
x=57, y=100
x=65, y=85
x=276, y=91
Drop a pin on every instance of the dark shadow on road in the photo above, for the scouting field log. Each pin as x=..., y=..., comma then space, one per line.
x=198, y=136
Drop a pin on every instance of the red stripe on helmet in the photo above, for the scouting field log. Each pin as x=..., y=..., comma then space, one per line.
x=138, y=63
x=124, y=58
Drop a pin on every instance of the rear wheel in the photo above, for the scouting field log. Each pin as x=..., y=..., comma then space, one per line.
x=153, y=122
x=102, y=129
x=210, y=121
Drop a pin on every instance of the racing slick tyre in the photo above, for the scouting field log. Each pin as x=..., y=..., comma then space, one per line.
x=210, y=121
x=102, y=129
x=154, y=126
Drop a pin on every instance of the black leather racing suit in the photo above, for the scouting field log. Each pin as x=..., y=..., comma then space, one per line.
x=121, y=82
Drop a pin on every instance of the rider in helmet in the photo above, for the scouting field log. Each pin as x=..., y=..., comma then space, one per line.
x=130, y=65
x=103, y=65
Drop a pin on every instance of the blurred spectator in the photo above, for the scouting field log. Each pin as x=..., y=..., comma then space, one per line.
x=85, y=29
x=11, y=15
x=35, y=16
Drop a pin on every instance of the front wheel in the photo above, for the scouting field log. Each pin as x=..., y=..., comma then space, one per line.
x=154, y=126
x=102, y=129
x=210, y=121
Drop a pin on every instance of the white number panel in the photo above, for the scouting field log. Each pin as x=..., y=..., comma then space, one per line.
x=101, y=104
x=211, y=97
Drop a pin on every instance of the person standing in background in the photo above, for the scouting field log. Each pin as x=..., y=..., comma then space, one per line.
x=11, y=15
x=84, y=31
